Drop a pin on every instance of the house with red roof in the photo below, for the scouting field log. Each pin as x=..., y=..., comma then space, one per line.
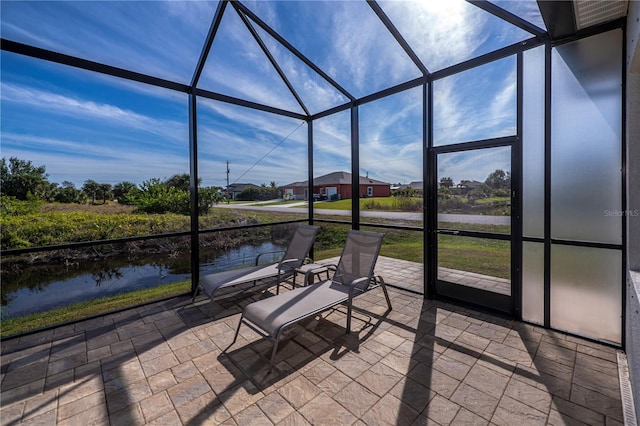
x=336, y=185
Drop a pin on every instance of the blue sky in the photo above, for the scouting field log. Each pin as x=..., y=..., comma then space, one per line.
x=82, y=125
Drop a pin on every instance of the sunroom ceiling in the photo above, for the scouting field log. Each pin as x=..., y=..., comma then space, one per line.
x=300, y=56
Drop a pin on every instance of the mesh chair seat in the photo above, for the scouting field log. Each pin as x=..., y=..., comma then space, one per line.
x=353, y=275
x=272, y=313
x=295, y=255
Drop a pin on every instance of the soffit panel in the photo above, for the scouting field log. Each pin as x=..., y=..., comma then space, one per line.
x=589, y=12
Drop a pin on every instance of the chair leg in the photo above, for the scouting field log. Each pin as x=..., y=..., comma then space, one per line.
x=386, y=293
x=349, y=309
x=235, y=337
x=273, y=353
x=195, y=294
x=276, y=340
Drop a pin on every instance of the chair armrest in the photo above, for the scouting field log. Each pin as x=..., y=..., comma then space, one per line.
x=286, y=262
x=354, y=283
x=311, y=271
x=266, y=252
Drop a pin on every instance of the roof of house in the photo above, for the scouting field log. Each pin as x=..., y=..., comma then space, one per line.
x=337, y=178
x=241, y=186
x=416, y=184
x=470, y=184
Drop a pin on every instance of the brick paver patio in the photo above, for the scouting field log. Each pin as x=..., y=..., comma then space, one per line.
x=424, y=362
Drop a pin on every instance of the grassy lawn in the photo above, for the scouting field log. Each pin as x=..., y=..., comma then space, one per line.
x=373, y=204
x=490, y=200
x=478, y=227
x=91, y=307
x=279, y=203
x=331, y=205
x=479, y=255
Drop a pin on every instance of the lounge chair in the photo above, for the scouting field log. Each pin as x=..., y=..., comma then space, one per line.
x=353, y=275
x=294, y=257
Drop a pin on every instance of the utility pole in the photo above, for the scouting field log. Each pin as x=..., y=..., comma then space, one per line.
x=227, y=181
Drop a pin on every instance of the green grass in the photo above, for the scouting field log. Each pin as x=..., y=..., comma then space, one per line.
x=478, y=227
x=373, y=204
x=279, y=203
x=332, y=205
x=479, y=255
x=88, y=308
x=490, y=200
x=55, y=225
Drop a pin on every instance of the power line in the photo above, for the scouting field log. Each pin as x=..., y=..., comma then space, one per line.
x=268, y=152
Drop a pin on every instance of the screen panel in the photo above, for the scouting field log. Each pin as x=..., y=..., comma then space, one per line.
x=391, y=157
x=533, y=143
x=332, y=191
x=476, y=104
x=253, y=158
x=586, y=140
x=586, y=291
x=533, y=282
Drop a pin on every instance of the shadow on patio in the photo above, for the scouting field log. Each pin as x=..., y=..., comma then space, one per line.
x=424, y=362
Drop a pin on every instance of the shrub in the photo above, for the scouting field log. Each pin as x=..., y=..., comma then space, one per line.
x=11, y=206
x=161, y=199
x=207, y=197
x=155, y=197
x=407, y=204
x=262, y=193
x=70, y=195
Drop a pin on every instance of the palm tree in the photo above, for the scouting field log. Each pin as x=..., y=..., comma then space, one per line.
x=91, y=188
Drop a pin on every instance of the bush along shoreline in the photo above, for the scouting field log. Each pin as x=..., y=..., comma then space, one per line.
x=27, y=224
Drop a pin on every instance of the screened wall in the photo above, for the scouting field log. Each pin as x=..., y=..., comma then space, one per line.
x=511, y=150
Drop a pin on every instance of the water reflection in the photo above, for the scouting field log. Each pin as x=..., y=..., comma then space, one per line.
x=42, y=288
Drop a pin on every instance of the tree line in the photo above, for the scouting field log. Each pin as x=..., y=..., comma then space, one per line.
x=22, y=180
x=497, y=184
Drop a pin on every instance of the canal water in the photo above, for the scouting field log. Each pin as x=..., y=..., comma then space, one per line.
x=54, y=286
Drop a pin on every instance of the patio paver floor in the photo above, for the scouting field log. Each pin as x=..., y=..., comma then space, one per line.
x=424, y=362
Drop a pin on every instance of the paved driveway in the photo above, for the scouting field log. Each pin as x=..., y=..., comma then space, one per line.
x=403, y=216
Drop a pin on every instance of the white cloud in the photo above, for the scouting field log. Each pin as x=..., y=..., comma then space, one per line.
x=237, y=66
x=75, y=107
x=76, y=161
x=474, y=165
x=437, y=31
x=140, y=36
x=362, y=52
x=391, y=137
x=261, y=147
x=476, y=104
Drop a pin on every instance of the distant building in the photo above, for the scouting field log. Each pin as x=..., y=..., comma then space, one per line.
x=235, y=188
x=336, y=185
x=416, y=185
x=467, y=185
